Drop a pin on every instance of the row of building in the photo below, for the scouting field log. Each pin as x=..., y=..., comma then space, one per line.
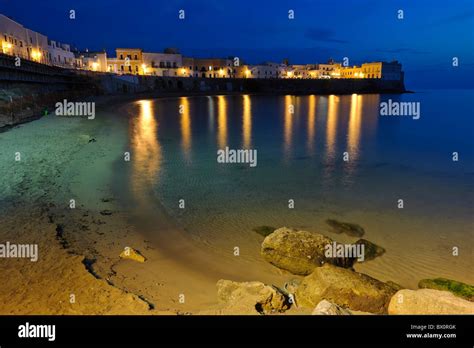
x=25, y=43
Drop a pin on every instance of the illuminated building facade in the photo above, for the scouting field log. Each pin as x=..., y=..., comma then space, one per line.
x=16, y=40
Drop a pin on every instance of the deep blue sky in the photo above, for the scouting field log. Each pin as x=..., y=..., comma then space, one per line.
x=432, y=32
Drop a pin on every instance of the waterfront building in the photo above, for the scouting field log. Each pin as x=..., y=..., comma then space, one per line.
x=328, y=70
x=60, y=54
x=392, y=71
x=162, y=64
x=263, y=71
x=127, y=61
x=207, y=67
x=242, y=72
x=16, y=40
x=92, y=61
x=374, y=70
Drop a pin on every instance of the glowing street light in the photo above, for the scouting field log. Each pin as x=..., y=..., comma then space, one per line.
x=36, y=55
x=6, y=46
x=95, y=66
x=183, y=71
x=221, y=72
x=144, y=67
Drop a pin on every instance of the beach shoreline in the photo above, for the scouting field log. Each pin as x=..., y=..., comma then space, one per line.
x=97, y=230
x=114, y=211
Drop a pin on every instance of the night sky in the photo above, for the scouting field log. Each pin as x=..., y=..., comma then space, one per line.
x=431, y=33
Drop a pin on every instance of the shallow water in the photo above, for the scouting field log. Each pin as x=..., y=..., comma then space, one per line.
x=300, y=158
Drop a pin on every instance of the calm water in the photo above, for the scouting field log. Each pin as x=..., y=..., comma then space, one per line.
x=300, y=157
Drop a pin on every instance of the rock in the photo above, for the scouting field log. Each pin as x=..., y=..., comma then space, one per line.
x=250, y=298
x=463, y=290
x=132, y=254
x=264, y=230
x=86, y=138
x=348, y=228
x=327, y=308
x=299, y=252
x=346, y=288
x=428, y=301
x=394, y=285
x=371, y=250
x=291, y=286
x=105, y=212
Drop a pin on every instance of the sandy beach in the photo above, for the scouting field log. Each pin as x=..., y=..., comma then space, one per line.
x=79, y=248
x=74, y=195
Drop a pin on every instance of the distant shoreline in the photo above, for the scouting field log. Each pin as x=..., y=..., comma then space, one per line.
x=105, y=100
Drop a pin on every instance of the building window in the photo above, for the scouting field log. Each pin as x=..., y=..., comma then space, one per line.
x=121, y=56
x=136, y=57
x=130, y=68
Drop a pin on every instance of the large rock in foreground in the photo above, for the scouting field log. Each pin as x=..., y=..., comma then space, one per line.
x=299, y=252
x=327, y=308
x=345, y=288
x=249, y=298
x=428, y=301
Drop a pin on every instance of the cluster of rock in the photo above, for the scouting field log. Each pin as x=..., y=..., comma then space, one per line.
x=250, y=298
x=132, y=254
x=331, y=287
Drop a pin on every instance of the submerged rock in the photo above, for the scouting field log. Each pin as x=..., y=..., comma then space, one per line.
x=328, y=308
x=463, y=290
x=105, y=212
x=264, y=230
x=345, y=288
x=299, y=252
x=371, y=250
x=132, y=254
x=428, y=301
x=394, y=285
x=348, y=228
x=250, y=298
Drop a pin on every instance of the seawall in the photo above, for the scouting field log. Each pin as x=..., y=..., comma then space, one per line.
x=31, y=89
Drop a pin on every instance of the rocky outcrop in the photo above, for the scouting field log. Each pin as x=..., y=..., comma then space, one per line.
x=428, y=301
x=328, y=308
x=299, y=252
x=264, y=230
x=463, y=290
x=249, y=298
x=371, y=250
x=348, y=228
x=346, y=288
x=132, y=254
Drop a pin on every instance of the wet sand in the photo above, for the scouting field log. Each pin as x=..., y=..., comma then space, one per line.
x=79, y=248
